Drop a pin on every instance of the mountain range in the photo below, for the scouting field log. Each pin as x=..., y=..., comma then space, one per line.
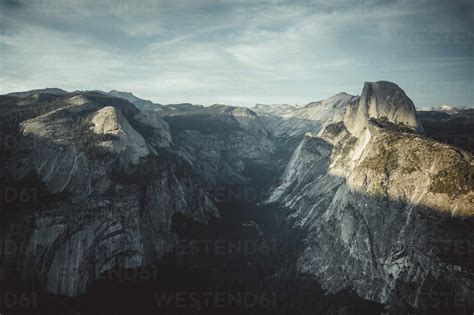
x=364, y=196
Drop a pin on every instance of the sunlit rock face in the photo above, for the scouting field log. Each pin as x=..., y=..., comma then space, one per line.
x=384, y=101
x=110, y=121
x=383, y=206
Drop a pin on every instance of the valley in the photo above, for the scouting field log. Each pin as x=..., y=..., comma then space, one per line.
x=346, y=205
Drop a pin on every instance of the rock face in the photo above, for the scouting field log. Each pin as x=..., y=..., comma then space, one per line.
x=381, y=100
x=289, y=123
x=221, y=141
x=124, y=139
x=105, y=193
x=386, y=211
x=383, y=206
x=160, y=131
x=111, y=178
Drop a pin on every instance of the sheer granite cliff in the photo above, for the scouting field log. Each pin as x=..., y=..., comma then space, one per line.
x=385, y=211
x=388, y=212
x=108, y=180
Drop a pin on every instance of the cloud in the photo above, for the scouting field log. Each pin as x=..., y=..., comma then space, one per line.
x=239, y=51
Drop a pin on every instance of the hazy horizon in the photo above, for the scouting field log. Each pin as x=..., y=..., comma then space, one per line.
x=251, y=105
x=240, y=52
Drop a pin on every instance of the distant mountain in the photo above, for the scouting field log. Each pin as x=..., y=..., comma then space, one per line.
x=272, y=109
x=452, y=125
x=55, y=91
x=140, y=103
x=289, y=123
x=444, y=108
x=149, y=105
x=182, y=107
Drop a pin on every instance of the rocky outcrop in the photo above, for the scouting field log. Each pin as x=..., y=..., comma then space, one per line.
x=57, y=164
x=123, y=138
x=381, y=100
x=160, y=135
x=383, y=206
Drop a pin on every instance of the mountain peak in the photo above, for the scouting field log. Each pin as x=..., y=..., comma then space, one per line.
x=112, y=92
x=140, y=103
x=445, y=108
x=340, y=94
x=55, y=91
x=381, y=100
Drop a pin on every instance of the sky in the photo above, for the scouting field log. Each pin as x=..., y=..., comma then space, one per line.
x=240, y=52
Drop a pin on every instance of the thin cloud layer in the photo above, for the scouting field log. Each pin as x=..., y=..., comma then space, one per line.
x=240, y=52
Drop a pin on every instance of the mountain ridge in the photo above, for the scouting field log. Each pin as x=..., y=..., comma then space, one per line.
x=361, y=177
x=377, y=199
